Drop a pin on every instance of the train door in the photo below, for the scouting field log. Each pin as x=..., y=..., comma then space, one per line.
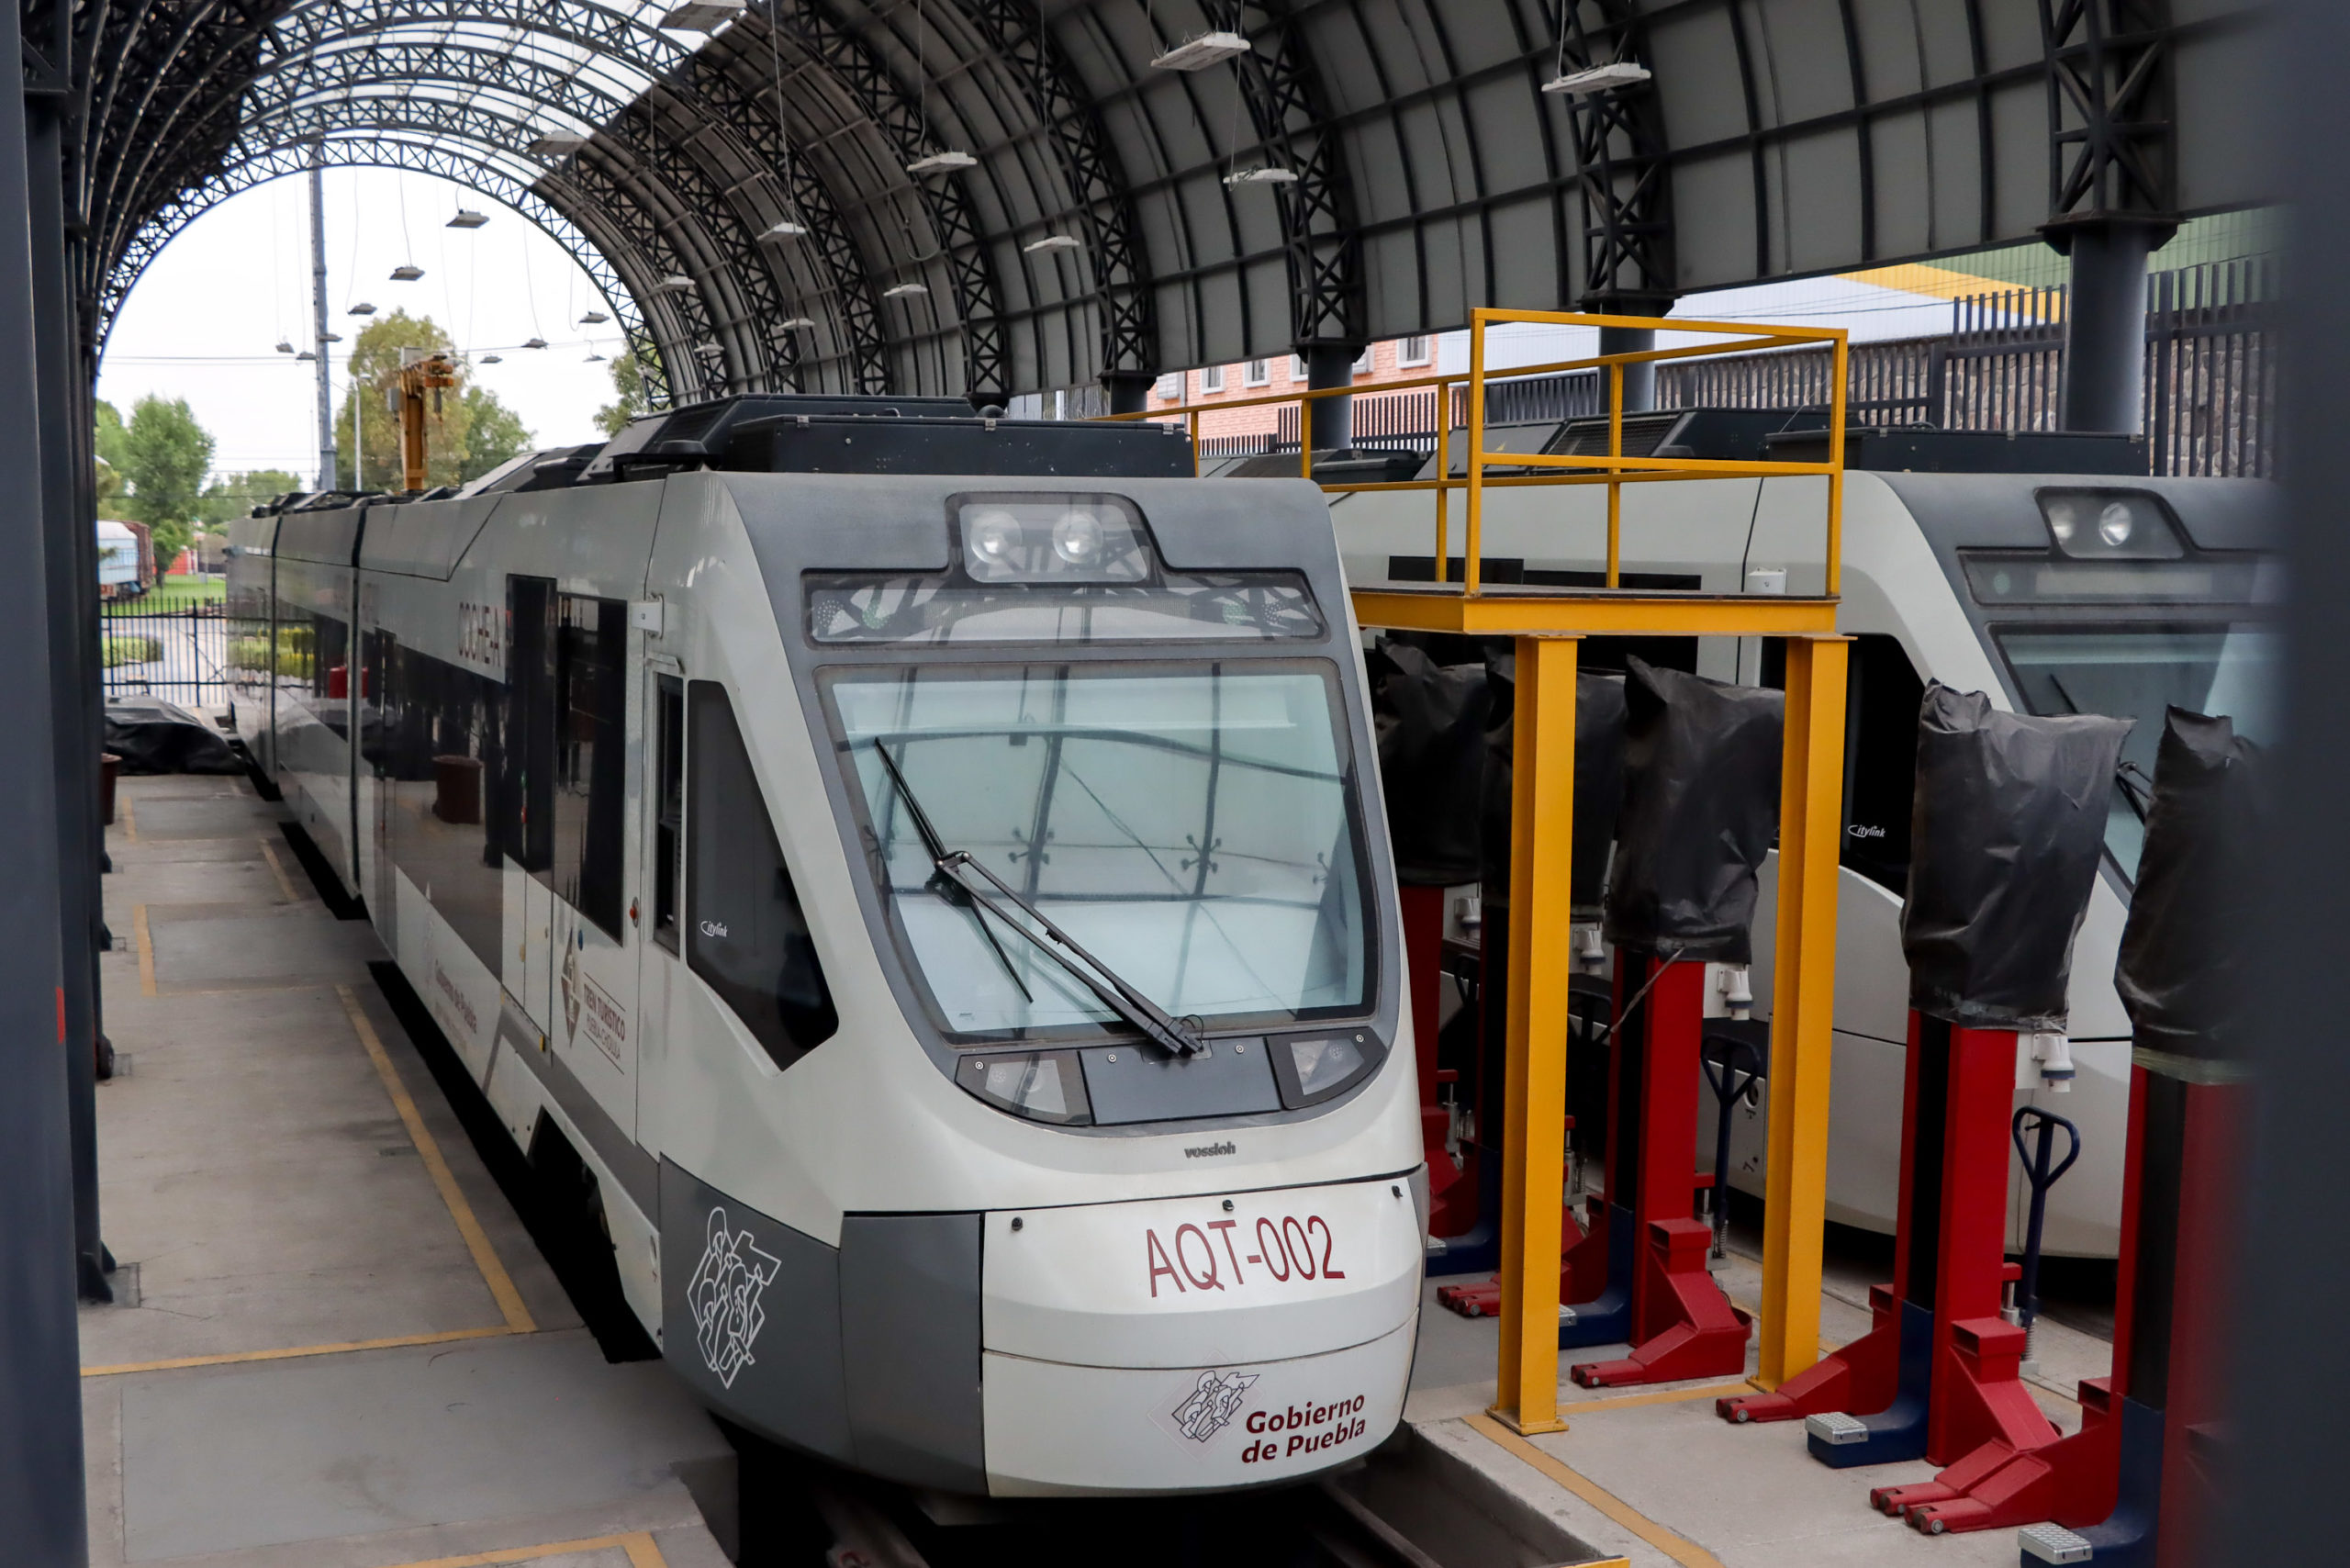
x=526, y=815
x=662, y=838
x=593, y=1026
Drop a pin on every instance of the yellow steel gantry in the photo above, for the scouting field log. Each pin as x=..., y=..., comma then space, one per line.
x=1547, y=623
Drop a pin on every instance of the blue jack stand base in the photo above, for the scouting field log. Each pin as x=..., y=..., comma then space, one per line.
x=1898, y=1431
x=1606, y=1319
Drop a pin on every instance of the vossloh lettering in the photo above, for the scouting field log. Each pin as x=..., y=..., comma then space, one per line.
x=1208, y=1150
x=1301, y=1429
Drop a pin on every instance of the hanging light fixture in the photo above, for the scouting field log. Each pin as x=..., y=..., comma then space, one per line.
x=1597, y=79
x=362, y=308
x=407, y=271
x=468, y=219
x=306, y=354
x=1050, y=242
x=535, y=343
x=1206, y=50
x=905, y=291
x=594, y=319
x=593, y=358
x=942, y=162
x=329, y=337
x=675, y=283
x=556, y=144
x=702, y=15
x=285, y=347
x=492, y=359
x=1269, y=175
x=795, y=323
x=785, y=228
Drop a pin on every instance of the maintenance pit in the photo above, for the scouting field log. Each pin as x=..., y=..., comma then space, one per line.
x=337, y=1344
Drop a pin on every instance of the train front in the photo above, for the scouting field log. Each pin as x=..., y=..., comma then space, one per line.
x=1117, y=1138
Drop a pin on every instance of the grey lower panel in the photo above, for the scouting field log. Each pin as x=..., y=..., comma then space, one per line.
x=751, y=1316
x=909, y=1332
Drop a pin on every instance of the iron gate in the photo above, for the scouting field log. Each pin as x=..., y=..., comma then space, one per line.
x=179, y=652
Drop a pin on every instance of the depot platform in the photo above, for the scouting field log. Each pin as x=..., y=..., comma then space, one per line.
x=336, y=1345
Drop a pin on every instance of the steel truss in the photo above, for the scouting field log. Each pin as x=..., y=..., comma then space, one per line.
x=1620, y=147
x=2111, y=152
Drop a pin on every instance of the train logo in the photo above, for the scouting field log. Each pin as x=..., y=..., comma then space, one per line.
x=1212, y=1405
x=571, y=994
x=723, y=1297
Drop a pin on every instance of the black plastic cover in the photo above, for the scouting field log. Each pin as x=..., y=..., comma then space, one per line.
x=2006, y=832
x=151, y=736
x=1431, y=723
x=2194, y=919
x=1599, y=787
x=1701, y=809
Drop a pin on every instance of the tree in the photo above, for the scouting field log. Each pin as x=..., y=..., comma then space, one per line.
x=494, y=433
x=628, y=380
x=236, y=495
x=165, y=455
x=469, y=433
x=111, y=443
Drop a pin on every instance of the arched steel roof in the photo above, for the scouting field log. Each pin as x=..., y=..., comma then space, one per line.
x=1428, y=171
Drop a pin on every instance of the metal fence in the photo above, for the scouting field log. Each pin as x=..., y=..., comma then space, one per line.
x=179, y=652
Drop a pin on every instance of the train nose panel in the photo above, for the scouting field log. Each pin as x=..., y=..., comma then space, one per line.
x=1190, y=1343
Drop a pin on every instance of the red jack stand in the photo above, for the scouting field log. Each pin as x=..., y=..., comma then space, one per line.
x=1937, y=1376
x=1659, y=1295
x=1452, y=1192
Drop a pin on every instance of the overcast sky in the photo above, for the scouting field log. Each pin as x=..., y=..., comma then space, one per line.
x=202, y=324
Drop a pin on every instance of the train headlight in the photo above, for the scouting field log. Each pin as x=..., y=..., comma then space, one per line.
x=2112, y=525
x=1044, y=1086
x=1055, y=539
x=1312, y=1068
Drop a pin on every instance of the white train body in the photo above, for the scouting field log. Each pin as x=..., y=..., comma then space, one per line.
x=1127, y=1273
x=2191, y=621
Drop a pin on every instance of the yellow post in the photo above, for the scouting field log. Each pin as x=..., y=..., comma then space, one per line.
x=1615, y=476
x=1194, y=420
x=1811, y=832
x=1542, y=813
x=1470, y=576
x=1836, y=390
x=1306, y=437
x=1443, y=472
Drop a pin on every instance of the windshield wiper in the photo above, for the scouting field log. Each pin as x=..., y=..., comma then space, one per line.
x=1178, y=1037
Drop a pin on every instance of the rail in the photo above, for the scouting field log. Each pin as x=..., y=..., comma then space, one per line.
x=1614, y=468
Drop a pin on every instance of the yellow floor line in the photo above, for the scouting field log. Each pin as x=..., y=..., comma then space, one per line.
x=637, y=1544
x=446, y=1336
x=492, y=1272
x=146, y=945
x=1682, y=1550
x=277, y=869
x=1655, y=1396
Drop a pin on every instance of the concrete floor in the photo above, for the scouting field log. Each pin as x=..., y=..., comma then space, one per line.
x=312, y=1366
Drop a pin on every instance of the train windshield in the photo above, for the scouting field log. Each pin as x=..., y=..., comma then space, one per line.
x=2132, y=672
x=1191, y=827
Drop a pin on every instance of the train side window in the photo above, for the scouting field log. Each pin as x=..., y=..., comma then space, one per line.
x=1880, y=759
x=669, y=806
x=747, y=936
x=590, y=767
x=525, y=806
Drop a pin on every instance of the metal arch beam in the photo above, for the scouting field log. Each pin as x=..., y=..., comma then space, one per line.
x=1095, y=179
x=294, y=157
x=1620, y=147
x=820, y=31
x=1289, y=105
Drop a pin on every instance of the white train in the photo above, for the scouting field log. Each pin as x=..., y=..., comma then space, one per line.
x=2055, y=591
x=927, y=870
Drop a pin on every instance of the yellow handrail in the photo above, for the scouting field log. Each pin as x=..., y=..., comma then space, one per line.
x=1615, y=469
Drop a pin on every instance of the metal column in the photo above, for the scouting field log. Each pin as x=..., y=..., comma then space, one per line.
x=1129, y=390
x=1534, y=1134
x=318, y=327
x=1640, y=380
x=2105, y=326
x=1328, y=366
x=41, y=1506
x=1803, y=1006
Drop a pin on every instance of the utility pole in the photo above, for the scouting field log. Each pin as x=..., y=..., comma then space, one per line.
x=319, y=318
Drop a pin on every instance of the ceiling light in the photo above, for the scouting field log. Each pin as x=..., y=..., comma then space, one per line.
x=306, y=354
x=594, y=319
x=1266, y=176
x=675, y=283
x=468, y=219
x=556, y=144
x=593, y=358
x=362, y=308
x=1199, y=54
x=329, y=337
x=702, y=15
x=945, y=162
x=1050, y=242
x=492, y=359
x=794, y=323
x=407, y=271
x=904, y=291
x=536, y=343
x=785, y=230
x=1597, y=79
x=285, y=347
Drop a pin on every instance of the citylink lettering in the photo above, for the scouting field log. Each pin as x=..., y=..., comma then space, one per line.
x=1311, y=1428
